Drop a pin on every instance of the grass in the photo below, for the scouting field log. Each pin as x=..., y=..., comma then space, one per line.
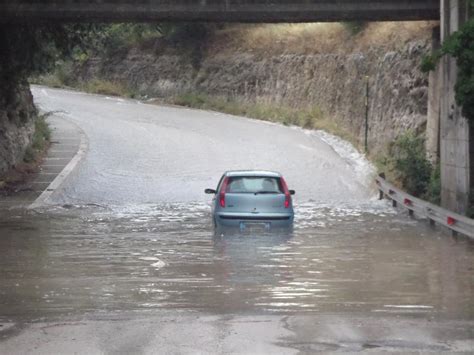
x=50, y=80
x=40, y=141
x=315, y=38
x=63, y=76
x=95, y=86
x=106, y=87
x=307, y=117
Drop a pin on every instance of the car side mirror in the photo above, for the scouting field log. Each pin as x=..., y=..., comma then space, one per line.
x=292, y=192
x=210, y=191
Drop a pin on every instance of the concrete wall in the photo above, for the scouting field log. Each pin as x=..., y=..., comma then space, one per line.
x=219, y=10
x=454, y=128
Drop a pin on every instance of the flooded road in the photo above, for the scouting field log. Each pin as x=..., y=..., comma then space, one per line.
x=127, y=241
x=90, y=260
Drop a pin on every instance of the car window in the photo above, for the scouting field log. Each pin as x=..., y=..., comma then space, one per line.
x=218, y=188
x=253, y=184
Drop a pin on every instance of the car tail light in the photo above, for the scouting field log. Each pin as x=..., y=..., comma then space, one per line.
x=222, y=192
x=286, y=192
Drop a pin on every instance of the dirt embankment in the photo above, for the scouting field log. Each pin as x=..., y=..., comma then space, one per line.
x=297, y=66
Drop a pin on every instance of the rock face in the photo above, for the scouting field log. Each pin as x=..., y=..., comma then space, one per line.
x=336, y=83
x=17, y=114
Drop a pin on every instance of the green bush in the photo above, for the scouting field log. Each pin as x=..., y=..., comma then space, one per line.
x=64, y=73
x=460, y=45
x=354, y=27
x=433, y=193
x=109, y=38
x=30, y=155
x=50, y=80
x=409, y=166
x=112, y=38
x=183, y=32
x=33, y=49
x=191, y=100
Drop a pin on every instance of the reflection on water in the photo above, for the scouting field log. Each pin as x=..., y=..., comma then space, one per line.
x=74, y=260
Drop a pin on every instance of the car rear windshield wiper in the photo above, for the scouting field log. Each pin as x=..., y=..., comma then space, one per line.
x=265, y=192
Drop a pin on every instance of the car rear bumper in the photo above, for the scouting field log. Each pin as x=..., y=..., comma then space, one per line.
x=271, y=220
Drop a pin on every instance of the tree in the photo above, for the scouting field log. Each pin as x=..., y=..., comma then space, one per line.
x=460, y=45
x=33, y=49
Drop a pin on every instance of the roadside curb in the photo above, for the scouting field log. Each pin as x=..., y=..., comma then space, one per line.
x=67, y=170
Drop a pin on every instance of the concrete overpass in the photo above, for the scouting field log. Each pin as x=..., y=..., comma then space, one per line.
x=219, y=10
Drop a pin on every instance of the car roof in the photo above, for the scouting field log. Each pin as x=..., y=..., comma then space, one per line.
x=262, y=173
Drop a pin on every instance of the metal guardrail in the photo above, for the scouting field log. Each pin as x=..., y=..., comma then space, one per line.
x=434, y=214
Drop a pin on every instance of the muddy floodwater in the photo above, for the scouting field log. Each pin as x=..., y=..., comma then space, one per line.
x=129, y=231
x=75, y=260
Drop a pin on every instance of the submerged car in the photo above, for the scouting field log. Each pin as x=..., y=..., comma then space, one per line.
x=252, y=198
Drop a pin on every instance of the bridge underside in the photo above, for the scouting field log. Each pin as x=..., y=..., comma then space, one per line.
x=219, y=10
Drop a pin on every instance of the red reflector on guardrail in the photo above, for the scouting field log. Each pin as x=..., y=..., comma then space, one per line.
x=451, y=221
x=407, y=202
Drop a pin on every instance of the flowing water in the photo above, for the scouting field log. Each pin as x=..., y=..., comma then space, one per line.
x=130, y=229
x=74, y=260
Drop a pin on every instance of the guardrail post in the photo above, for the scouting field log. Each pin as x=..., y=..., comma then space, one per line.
x=408, y=203
x=381, y=195
x=428, y=212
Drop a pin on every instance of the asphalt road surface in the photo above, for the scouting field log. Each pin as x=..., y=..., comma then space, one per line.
x=147, y=154
x=124, y=259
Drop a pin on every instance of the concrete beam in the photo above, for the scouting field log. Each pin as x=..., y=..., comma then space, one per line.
x=219, y=10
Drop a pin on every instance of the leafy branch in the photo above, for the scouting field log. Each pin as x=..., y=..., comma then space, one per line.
x=460, y=45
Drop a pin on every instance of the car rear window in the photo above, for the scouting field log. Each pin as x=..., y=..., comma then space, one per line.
x=253, y=184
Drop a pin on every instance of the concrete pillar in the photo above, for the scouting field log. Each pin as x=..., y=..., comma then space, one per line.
x=471, y=156
x=454, y=129
x=434, y=93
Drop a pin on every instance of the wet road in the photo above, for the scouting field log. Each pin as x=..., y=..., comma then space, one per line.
x=130, y=236
x=148, y=154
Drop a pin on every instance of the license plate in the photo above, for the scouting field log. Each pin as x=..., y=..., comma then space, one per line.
x=254, y=226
